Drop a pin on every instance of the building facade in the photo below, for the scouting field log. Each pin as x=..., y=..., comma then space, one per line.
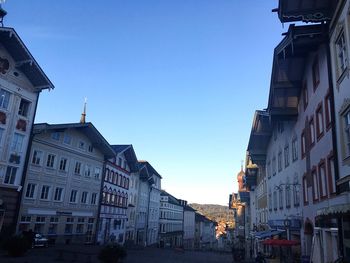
x=189, y=227
x=62, y=186
x=205, y=234
x=171, y=221
x=115, y=195
x=21, y=81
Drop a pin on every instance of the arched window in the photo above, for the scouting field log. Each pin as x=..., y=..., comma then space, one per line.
x=126, y=200
x=104, y=197
x=119, y=198
x=127, y=183
x=107, y=175
x=111, y=177
x=115, y=179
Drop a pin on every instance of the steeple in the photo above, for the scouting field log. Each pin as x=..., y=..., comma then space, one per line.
x=83, y=115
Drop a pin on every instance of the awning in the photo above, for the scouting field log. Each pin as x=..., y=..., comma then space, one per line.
x=281, y=242
x=269, y=233
x=335, y=209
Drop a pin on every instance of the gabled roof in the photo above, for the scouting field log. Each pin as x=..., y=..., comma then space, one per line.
x=129, y=153
x=188, y=208
x=150, y=168
x=88, y=129
x=171, y=199
x=25, y=62
x=202, y=218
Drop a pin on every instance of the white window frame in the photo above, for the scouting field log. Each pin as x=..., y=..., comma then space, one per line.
x=45, y=191
x=30, y=191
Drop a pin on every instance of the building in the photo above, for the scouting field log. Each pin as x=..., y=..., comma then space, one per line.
x=115, y=194
x=171, y=221
x=21, y=81
x=189, y=227
x=147, y=210
x=339, y=50
x=205, y=234
x=62, y=185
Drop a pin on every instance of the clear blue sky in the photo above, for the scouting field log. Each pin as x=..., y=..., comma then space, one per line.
x=178, y=79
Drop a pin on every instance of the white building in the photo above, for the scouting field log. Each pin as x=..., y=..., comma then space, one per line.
x=62, y=186
x=147, y=211
x=21, y=81
x=189, y=227
x=170, y=221
x=205, y=234
x=115, y=194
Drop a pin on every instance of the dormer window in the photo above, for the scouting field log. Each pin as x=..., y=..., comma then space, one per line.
x=55, y=136
x=24, y=108
x=82, y=145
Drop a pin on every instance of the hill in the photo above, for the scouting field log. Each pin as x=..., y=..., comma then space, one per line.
x=217, y=213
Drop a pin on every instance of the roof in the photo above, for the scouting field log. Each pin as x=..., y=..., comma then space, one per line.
x=25, y=62
x=202, y=218
x=98, y=141
x=306, y=10
x=188, y=208
x=171, y=199
x=150, y=168
x=129, y=153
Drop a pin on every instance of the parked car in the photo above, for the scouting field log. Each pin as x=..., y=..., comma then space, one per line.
x=40, y=241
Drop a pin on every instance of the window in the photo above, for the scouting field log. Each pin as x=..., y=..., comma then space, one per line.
x=87, y=171
x=93, y=199
x=67, y=139
x=119, y=162
x=37, y=156
x=81, y=145
x=97, y=172
x=58, y=194
x=306, y=198
x=45, y=189
x=280, y=161
x=275, y=200
x=280, y=197
x=303, y=144
x=288, y=195
x=319, y=121
x=24, y=108
x=315, y=73
x=312, y=132
x=73, y=196
x=327, y=103
x=342, y=60
x=274, y=165
x=53, y=225
x=296, y=195
x=10, y=175
x=90, y=148
x=295, y=149
x=63, y=164
x=322, y=179
x=55, y=136
x=270, y=201
x=268, y=169
x=80, y=228
x=17, y=143
x=30, y=190
x=84, y=197
x=286, y=156
x=305, y=95
x=331, y=175
x=107, y=175
x=314, y=184
x=77, y=168
x=50, y=162
x=39, y=224
x=4, y=99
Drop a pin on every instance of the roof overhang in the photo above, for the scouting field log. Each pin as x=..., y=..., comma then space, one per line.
x=25, y=62
x=306, y=10
x=288, y=69
x=88, y=129
x=259, y=136
x=130, y=156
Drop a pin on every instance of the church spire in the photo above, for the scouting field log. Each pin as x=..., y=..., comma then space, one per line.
x=83, y=115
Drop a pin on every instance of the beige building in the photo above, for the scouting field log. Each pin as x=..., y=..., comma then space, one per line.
x=62, y=188
x=21, y=81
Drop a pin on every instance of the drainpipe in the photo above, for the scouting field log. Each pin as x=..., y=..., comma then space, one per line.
x=147, y=217
x=25, y=168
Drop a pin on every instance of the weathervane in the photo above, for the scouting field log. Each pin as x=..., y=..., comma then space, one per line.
x=3, y=13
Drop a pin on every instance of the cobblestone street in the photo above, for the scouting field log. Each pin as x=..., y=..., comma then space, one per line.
x=83, y=254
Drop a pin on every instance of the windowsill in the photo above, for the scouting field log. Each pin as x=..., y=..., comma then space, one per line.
x=328, y=126
x=346, y=160
x=319, y=136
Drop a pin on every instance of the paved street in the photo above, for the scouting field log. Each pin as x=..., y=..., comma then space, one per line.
x=83, y=254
